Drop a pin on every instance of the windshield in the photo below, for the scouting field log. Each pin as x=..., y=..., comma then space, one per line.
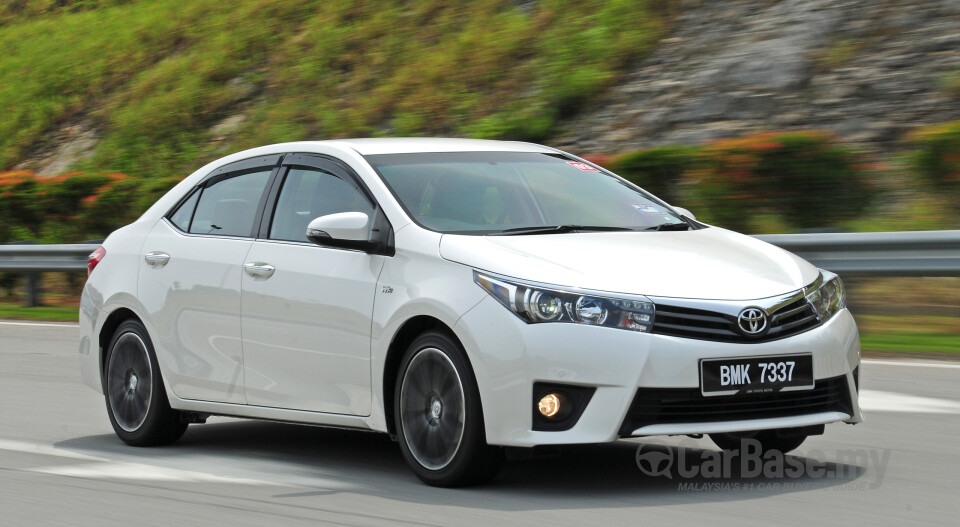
x=516, y=192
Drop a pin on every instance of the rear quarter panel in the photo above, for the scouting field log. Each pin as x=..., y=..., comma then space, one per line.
x=111, y=286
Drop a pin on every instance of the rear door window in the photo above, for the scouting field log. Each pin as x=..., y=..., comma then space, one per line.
x=228, y=206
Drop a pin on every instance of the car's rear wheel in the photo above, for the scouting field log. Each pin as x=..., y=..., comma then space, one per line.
x=133, y=388
x=783, y=440
x=438, y=415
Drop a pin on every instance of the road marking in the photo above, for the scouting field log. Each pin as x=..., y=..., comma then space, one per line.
x=877, y=401
x=98, y=467
x=45, y=450
x=39, y=324
x=141, y=472
x=916, y=364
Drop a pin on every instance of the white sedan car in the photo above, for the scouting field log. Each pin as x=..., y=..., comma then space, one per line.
x=462, y=296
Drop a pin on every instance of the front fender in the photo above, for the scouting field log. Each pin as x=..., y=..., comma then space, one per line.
x=415, y=282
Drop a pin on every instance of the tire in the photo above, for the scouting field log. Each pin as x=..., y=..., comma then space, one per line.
x=133, y=389
x=438, y=415
x=783, y=440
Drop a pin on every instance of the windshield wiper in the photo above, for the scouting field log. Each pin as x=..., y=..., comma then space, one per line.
x=670, y=227
x=558, y=229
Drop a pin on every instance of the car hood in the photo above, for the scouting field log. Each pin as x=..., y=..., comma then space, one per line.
x=710, y=263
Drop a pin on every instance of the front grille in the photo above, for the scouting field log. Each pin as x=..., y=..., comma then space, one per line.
x=687, y=405
x=789, y=320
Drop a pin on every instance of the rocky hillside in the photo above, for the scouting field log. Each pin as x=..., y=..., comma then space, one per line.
x=154, y=89
x=868, y=70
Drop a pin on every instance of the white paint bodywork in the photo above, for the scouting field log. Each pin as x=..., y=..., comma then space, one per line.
x=310, y=343
x=191, y=307
x=306, y=329
x=713, y=263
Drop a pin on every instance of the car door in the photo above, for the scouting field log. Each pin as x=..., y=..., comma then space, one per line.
x=189, y=281
x=306, y=309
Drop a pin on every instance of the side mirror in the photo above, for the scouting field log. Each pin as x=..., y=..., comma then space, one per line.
x=347, y=230
x=685, y=212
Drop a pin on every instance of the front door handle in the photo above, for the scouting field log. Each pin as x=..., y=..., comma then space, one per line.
x=259, y=269
x=156, y=259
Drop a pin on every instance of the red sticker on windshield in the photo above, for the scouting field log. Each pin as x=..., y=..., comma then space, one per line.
x=582, y=166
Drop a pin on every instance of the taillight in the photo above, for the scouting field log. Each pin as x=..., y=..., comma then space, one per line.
x=94, y=259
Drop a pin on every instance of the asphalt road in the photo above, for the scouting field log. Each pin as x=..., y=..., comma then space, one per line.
x=60, y=464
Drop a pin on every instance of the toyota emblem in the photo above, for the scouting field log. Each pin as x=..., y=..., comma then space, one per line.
x=752, y=321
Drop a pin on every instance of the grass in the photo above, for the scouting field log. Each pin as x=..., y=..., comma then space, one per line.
x=47, y=313
x=154, y=76
x=910, y=333
x=911, y=342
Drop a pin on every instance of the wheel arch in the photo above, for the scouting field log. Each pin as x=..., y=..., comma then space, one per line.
x=407, y=333
x=110, y=324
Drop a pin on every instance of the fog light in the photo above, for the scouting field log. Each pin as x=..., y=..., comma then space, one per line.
x=549, y=405
x=557, y=407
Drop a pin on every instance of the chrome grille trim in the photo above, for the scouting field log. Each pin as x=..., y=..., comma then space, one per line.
x=716, y=320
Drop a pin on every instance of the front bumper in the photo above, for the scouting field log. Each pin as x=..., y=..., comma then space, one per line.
x=508, y=356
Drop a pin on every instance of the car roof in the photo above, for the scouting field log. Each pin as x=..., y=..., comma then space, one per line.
x=399, y=145
x=386, y=145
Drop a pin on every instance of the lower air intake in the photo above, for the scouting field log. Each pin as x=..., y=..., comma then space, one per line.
x=687, y=405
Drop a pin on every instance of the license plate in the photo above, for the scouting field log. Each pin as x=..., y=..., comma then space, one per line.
x=756, y=374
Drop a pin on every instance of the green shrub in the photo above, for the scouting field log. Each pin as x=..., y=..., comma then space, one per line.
x=109, y=206
x=17, y=204
x=806, y=179
x=768, y=181
x=148, y=191
x=72, y=207
x=937, y=155
x=657, y=170
x=63, y=196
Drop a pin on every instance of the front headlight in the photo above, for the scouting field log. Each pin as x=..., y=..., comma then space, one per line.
x=537, y=304
x=829, y=297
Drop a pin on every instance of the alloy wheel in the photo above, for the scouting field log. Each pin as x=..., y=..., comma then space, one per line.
x=432, y=408
x=129, y=382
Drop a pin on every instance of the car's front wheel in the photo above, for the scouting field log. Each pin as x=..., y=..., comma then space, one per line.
x=136, y=401
x=783, y=440
x=439, y=420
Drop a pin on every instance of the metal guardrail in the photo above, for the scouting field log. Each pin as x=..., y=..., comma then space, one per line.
x=909, y=253
x=34, y=259
x=43, y=258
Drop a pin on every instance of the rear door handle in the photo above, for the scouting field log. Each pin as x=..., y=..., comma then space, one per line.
x=156, y=259
x=259, y=269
